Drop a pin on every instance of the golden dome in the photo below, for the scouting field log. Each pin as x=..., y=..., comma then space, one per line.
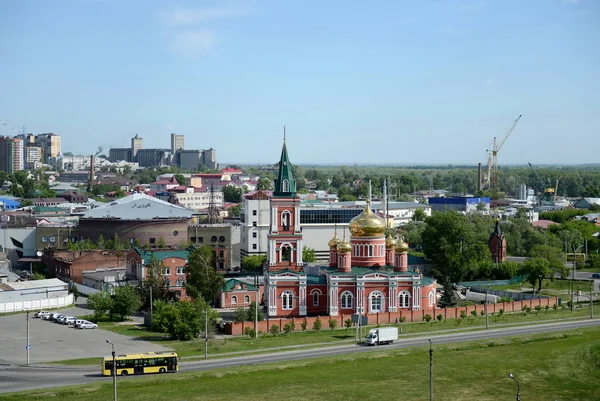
x=367, y=224
x=334, y=242
x=344, y=247
x=390, y=242
x=401, y=246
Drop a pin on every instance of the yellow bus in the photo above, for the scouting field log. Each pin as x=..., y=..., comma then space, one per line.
x=139, y=364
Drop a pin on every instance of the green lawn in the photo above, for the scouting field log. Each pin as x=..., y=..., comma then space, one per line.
x=218, y=346
x=550, y=288
x=554, y=366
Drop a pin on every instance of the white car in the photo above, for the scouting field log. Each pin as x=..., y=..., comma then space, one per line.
x=41, y=314
x=68, y=320
x=79, y=321
x=88, y=325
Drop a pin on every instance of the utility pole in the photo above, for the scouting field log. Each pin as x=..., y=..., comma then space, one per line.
x=151, y=305
x=592, y=299
x=430, y=371
x=27, y=347
x=206, y=331
x=486, y=308
x=114, y=370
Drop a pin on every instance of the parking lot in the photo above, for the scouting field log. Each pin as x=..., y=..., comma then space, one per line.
x=55, y=342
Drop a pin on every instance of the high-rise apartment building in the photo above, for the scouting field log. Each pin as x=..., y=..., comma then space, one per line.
x=33, y=155
x=11, y=154
x=137, y=143
x=177, y=142
x=50, y=144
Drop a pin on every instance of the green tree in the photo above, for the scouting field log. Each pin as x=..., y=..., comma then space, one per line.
x=535, y=270
x=232, y=194
x=240, y=315
x=180, y=179
x=332, y=323
x=448, y=242
x=75, y=292
x=100, y=302
x=555, y=257
x=265, y=184
x=318, y=325
x=348, y=323
x=161, y=243
x=288, y=328
x=447, y=298
x=252, y=313
x=254, y=262
x=203, y=281
x=183, y=320
x=274, y=329
x=419, y=215
x=100, y=242
x=235, y=210
x=38, y=276
x=154, y=282
x=125, y=302
x=308, y=255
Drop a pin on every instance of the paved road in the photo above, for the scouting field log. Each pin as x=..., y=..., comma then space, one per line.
x=19, y=378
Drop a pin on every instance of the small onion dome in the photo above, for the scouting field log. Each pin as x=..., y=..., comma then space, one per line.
x=344, y=247
x=367, y=224
x=390, y=242
x=401, y=246
x=334, y=242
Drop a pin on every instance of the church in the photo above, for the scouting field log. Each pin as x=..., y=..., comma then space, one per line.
x=366, y=274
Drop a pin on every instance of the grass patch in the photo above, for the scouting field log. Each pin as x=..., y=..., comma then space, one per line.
x=549, y=287
x=78, y=362
x=557, y=366
x=219, y=346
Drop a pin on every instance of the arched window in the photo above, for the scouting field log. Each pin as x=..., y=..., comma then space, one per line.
x=370, y=250
x=246, y=299
x=166, y=282
x=179, y=283
x=234, y=300
x=285, y=186
x=376, y=302
x=404, y=299
x=167, y=271
x=381, y=251
x=346, y=300
x=286, y=218
x=431, y=298
x=286, y=253
x=315, y=294
x=287, y=299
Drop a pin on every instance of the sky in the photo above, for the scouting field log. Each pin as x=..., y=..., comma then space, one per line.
x=390, y=82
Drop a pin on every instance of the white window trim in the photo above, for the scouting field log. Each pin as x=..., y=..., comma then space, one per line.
x=290, y=295
x=317, y=293
x=373, y=295
x=349, y=297
x=234, y=300
x=401, y=297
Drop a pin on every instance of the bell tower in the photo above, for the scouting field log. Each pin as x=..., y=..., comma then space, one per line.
x=285, y=236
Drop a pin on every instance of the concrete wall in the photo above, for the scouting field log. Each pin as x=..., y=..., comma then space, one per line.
x=36, y=304
x=173, y=232
x=25, y=235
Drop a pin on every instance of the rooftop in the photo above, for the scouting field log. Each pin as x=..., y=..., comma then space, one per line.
x=138, y=206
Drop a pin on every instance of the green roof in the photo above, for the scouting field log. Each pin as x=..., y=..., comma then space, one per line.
x=361, y=271
x=230, y=284
x=160, y=254
x=285, y=185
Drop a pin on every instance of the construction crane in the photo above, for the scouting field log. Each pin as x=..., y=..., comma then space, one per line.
x=490, y=178
x=546, y=194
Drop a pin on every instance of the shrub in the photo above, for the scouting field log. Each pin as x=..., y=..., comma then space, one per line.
x=427, y=318
x=274, y=329
x=474, y=313
x=440, y=317
x=555, y=306
x=332, y=324
x=288, y=328
x=402, y=319
x=317, y=325
x=501, y=312
x=250, y=332
x=538, y=308
x=527, y=309
x=546, y=307
x=348, y=323
x=463, y=314
x=482, y=312
x=303, y=325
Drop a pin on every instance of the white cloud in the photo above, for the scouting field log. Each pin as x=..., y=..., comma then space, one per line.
x=193, y=42
x=181, y=16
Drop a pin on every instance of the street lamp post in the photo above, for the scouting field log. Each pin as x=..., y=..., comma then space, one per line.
x=27, y=347
x=518, y=387
x=430, y=372
x=486, y=308
x=206, y=331
x=114, y=370
x=573, y=273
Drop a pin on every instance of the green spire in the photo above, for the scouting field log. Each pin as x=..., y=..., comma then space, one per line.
x=285, y=185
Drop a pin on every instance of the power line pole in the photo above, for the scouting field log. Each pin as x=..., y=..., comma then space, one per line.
x=430, y=371
x=206, y=331
x=114, y=370
x=592, y=299
x=27, y=347
x=486, y=308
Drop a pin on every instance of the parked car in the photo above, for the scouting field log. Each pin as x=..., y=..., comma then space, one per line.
x=47, y=316
x=54, y=316
x=40, y=313
x=596, y=275
x=88, y=325
x=79, y=321
x=69, y=320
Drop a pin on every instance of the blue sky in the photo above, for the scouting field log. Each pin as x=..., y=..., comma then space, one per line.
x=427, y=81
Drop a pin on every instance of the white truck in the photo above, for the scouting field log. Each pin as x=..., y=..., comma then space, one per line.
x=382, y=335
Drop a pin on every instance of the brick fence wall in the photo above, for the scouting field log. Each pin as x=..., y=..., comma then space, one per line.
x=390, y=317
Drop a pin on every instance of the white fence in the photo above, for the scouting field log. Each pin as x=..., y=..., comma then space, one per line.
x=36, y=304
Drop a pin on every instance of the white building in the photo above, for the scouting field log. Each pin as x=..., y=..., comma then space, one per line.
x=198, y=200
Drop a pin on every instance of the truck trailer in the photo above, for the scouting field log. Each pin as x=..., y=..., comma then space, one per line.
x=382, y=335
